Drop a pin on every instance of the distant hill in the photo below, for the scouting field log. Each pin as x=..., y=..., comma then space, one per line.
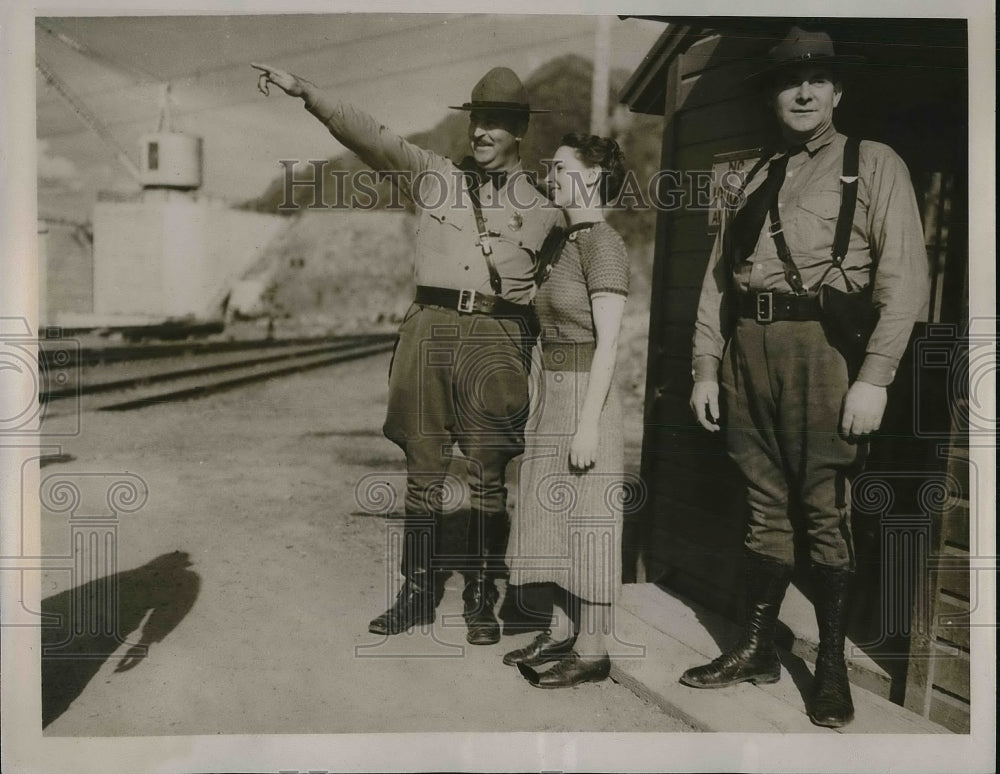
x=562, y=86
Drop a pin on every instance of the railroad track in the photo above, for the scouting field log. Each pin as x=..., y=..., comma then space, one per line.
x=131, y=377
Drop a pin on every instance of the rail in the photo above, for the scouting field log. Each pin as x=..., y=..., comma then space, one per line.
x=131, y=377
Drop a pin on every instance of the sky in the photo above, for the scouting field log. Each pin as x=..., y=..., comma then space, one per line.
x=403, y=68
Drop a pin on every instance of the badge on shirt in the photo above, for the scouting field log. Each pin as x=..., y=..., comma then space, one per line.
x=515, y=222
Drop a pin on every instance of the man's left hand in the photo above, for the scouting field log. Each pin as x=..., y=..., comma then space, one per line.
x=863, y=409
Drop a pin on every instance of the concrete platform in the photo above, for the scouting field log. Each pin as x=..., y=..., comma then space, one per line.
x=659, y=635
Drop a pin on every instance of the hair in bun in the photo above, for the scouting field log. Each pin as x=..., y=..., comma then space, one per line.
x=603, y=152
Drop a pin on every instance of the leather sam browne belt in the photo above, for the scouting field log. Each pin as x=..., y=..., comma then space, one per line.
x=768, y=306
x=468, y=301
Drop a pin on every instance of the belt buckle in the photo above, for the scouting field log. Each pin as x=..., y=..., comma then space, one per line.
x=765, y=307
x=466, y=300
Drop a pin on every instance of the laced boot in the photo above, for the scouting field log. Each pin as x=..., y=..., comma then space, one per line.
x=754, y=659
x=831, y=704
x=415, y=602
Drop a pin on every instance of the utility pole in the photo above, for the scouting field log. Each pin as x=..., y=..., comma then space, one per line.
x=601, y=80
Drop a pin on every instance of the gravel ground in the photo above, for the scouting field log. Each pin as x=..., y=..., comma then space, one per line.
x=251, y=572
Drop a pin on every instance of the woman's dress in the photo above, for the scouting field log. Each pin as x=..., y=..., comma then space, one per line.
x=567, y=523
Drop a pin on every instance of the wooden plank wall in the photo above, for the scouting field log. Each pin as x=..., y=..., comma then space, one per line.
x=697, y=511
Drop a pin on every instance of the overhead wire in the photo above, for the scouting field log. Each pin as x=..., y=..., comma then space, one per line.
x=199, y=73
x=337, y=83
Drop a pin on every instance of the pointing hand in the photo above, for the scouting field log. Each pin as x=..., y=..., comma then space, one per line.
x=287, y=82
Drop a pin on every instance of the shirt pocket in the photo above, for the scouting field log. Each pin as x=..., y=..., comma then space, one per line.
x=815, y=221
x=821, y=204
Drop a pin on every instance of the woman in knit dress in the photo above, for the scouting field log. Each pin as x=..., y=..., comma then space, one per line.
x=566, y=537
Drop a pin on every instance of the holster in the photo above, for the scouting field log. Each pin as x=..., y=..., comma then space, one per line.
x=848, y=320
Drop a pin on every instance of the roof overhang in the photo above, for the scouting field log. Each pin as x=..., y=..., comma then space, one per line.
x=645, y=90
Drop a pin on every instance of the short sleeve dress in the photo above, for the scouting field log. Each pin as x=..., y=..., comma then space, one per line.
x=567, y=524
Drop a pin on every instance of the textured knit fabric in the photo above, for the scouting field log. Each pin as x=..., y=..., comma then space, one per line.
x=593, y=260
x=886, y=230
x=567, y=525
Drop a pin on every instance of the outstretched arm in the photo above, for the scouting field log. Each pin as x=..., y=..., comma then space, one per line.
x=375, y=144
x=292, y=85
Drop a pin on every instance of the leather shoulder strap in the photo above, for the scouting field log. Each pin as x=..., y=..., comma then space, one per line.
x=848, y=199
x=548, y=253
x=470, y=171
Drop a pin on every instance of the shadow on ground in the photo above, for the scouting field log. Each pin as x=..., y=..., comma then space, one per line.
x=87, y=624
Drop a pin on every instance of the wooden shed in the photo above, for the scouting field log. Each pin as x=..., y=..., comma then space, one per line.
x=911, y=510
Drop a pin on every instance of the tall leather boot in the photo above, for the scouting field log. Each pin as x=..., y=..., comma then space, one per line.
x=496, y=531
x=754, y=659
x=480, y=594
x=831, y=704
x=415, y=602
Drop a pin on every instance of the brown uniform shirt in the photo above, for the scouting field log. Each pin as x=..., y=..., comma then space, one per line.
x=448, y=254
x=886, y=230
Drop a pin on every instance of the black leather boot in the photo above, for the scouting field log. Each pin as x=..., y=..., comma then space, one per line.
x=496, y=531
x=831, y=704
x=754, y=659
x=480, y=594
x=415, y=602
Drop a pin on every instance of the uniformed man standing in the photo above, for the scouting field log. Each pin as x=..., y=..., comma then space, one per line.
x=782, y=281
x=460, y=370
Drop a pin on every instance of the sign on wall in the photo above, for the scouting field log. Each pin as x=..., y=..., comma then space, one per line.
x=728, y=173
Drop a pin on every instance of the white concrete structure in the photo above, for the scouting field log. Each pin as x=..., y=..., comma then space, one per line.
x=173, y=254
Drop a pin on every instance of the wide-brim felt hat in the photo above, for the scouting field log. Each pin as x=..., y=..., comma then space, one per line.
x=801, y=47
x=499, y=89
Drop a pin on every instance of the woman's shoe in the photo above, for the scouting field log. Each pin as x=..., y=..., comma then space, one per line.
x=571, y=670
x=540, y=650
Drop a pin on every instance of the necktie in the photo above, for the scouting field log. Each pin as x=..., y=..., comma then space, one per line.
x=745, y=229
x=499, y=179
x=477, y=177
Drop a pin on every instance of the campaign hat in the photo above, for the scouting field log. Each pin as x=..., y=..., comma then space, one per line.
x=801, y=47
x=499, y=89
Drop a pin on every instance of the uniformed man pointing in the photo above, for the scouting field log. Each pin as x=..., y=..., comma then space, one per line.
x=460, y=370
